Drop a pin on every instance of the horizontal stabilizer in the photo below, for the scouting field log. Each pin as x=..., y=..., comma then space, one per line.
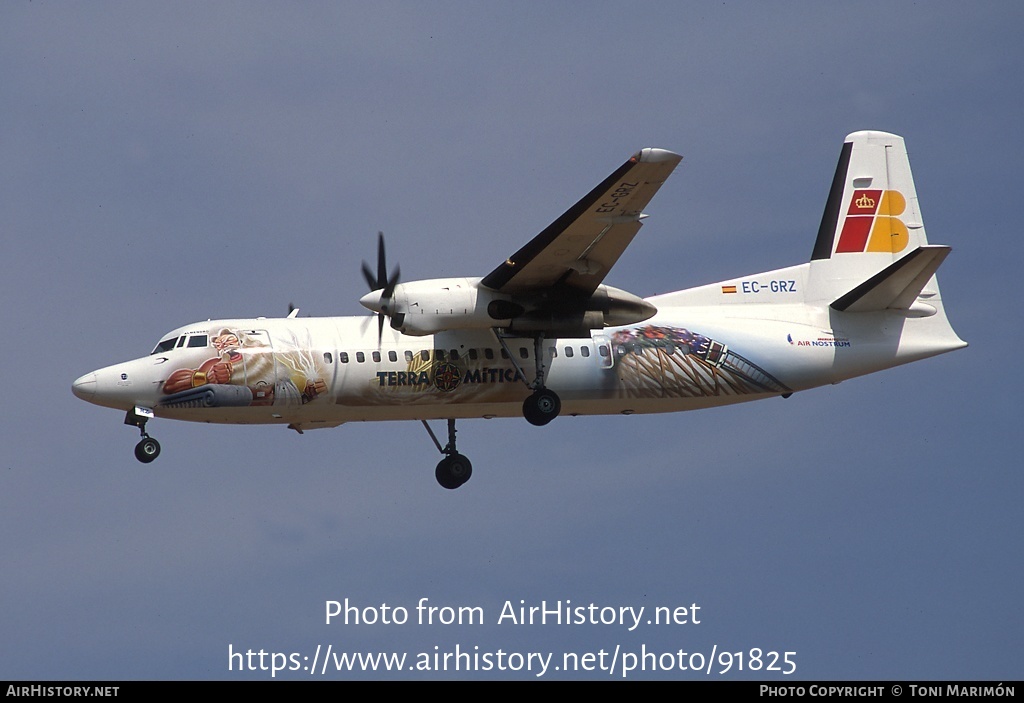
x=896, y=286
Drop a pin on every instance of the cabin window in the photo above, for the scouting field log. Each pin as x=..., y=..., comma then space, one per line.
x=504, y=354
x=439, y=354
x=585, y=351
x=553, y=351
x=523, y=354
x=453, y=355
x=328, y=358
x=197, y=340
x=408, y=355
x=603, y=350
x=488, y=353
x=568, y=352
x=360, y=357
x=376, y=357
x=343, y=357
x=392, y=355
x=474, y=354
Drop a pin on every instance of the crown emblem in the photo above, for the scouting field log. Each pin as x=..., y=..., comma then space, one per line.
x=865, y=202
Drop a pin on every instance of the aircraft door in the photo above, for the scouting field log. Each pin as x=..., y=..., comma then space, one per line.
x=259, y=372
x=603, y=347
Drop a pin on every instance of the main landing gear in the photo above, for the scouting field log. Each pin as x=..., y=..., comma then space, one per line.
x=148, y=448
x=543, y=405
x=455, y=469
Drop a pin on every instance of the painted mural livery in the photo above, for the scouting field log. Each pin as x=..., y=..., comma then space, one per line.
x=252, y=368
x=248, y=368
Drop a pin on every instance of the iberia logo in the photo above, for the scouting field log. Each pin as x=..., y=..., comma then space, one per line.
x=872, y=223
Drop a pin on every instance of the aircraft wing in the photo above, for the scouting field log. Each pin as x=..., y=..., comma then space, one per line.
x=579, y=248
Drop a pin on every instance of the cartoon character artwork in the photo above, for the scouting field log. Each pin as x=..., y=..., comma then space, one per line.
x=673, y=362
x=247, y=371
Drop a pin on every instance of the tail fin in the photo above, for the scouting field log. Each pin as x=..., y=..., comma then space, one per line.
x=872, y=254
x=872, y=222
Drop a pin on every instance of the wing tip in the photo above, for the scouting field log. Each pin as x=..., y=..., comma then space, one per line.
x=654, y=156
x=873, y=135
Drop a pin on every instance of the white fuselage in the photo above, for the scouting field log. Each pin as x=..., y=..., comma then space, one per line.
x=321, y=372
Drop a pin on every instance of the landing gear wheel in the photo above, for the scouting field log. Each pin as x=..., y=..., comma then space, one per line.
x=147, y=450
x=453, y=471
x=542, y=407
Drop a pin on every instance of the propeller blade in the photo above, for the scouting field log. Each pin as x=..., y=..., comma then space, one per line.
x=368, y=275
x=382, y=269
x=386, y=285
x=389, y=288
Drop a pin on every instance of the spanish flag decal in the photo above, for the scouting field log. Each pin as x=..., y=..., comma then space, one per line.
x=728, y=289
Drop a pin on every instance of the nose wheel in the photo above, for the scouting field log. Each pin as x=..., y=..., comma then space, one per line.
x=148, y=448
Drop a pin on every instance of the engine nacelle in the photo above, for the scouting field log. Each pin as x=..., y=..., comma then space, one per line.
x=435, y=305
x=550, y=325
x=426, y=307
x=619, y=307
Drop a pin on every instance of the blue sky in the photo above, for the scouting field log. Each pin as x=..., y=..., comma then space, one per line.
x=166, y=163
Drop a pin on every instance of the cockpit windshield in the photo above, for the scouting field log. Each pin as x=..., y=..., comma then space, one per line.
x=164, y=346
x=193, y=340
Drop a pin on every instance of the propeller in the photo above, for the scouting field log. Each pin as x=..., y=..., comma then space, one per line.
x=384, y=304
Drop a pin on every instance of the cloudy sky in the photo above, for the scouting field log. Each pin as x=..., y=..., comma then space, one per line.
x=171, y=162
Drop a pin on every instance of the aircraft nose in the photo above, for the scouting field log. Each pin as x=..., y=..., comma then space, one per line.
x=85, y=387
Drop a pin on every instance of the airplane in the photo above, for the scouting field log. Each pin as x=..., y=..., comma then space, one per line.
x=543, y=335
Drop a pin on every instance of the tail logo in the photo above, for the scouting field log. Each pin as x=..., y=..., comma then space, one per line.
x=864, y=202
x=872, y=223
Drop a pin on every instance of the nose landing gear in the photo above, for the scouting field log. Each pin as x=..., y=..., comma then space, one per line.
x=148, y=448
